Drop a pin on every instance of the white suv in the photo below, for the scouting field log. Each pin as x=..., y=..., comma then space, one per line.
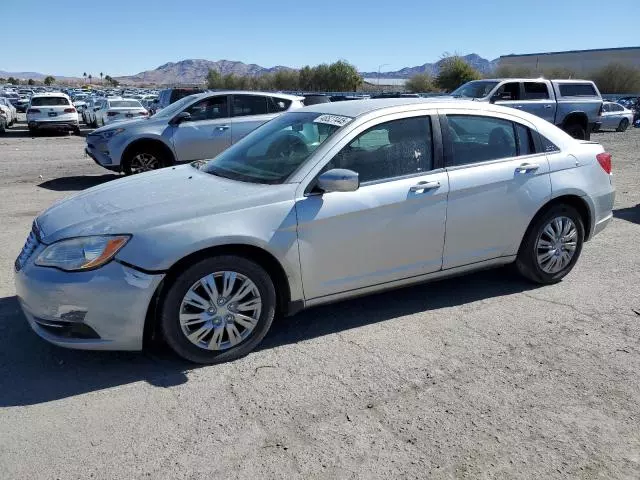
x=52, y=111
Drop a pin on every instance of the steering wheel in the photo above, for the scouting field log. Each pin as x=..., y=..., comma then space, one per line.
x=288, y=146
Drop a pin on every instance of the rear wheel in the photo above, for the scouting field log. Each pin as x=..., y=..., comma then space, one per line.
x=552, y=245
x=218, y=309
x=577, y=131
x=624, y=124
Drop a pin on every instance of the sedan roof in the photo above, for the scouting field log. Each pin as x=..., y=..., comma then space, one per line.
x=355, y=108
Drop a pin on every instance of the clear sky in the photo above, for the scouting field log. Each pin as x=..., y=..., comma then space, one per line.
x=121, y=37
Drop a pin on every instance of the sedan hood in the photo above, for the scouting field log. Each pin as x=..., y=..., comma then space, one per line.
x=166, y=196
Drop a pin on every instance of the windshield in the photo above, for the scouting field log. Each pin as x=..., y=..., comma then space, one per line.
x=271, y=153
x=475, y=89
x=174, y=108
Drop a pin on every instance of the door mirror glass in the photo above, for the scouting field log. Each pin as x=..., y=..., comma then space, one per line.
x=339, y=180
x=182, y=117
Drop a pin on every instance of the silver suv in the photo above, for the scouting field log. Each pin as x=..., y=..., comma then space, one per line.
x=194, y=128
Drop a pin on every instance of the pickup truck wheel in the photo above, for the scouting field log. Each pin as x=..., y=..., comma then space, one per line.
x=552, y=245
x=624, y=124
x=217, y=310
x=577, y=131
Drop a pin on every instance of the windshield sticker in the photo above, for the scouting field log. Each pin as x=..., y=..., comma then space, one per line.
x=336, y=120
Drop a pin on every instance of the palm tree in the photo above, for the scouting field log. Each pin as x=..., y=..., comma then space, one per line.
x=85, y=76
x=101, y=75
x=90, y=77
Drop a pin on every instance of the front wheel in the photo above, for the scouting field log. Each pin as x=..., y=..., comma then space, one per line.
x=144, y=159
x=552, y=245
x=218, y=310
x=624, y=124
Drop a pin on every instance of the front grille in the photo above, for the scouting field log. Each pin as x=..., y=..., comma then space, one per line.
x=29, y=247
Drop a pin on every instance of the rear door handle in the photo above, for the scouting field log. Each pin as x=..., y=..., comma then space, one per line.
x=548, y=106
x=422, y=186
x=527, y=167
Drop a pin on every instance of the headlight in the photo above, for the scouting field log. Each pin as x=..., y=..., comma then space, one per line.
x=110, y=133
x=82, y=253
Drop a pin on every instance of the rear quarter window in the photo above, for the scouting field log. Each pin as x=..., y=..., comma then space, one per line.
x=577, y=90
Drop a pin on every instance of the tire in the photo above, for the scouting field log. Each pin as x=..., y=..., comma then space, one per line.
x=76, y=130
x=624, y=124
x=173, y=306
x=139, y=160
x=577, y=131
x=3, y=127
x=527, y=261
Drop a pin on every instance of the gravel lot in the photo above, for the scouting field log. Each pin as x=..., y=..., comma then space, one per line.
x=483, y=376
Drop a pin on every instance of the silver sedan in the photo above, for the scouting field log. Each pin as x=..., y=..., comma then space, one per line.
x=615, y=117
x=325, y=203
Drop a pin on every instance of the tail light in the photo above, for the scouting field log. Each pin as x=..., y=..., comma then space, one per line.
x=69, y=110
x=33, y=110
x=112, y=114
x=604, y=159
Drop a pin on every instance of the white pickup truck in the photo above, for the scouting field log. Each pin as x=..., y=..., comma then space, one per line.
x=573, y=105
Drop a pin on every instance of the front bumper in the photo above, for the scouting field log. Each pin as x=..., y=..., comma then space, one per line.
x=103, y=309
x=102, y=158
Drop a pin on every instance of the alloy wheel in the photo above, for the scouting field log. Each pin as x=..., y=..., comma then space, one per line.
x=144, y=162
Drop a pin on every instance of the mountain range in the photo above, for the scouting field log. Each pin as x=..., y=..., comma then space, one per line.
x=194, y=71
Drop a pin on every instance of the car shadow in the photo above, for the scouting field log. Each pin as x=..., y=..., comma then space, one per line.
x=77, y=183
x=34, y=371
x=630, y=214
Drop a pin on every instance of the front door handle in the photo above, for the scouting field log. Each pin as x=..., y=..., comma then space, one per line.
x=222, y=128
x=422, y=186
x=548, y=106
x=527, y=167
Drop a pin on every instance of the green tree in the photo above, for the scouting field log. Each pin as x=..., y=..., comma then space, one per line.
x=214, y=79
x=49, y=80
x=3, y=80
x=617, y=78
x=305, y=78
x=343, y=77
x=90, y=77
x=454, y=71
x=13, y=81
x=31, y=82
x=286, y=80
x=421, y=82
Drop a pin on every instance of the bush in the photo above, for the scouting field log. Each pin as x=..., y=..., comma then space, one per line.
x=454, y=71
x=617, y=78
x=421, y=82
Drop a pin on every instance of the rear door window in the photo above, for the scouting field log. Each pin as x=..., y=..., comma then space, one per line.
x=244, y=105
x=474, y=139
x=577, y=90
x=535, y=91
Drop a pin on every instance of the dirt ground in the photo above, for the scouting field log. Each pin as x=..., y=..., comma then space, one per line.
x=483, y=376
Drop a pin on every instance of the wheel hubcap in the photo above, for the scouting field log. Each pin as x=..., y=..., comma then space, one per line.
x=220, y=310
x=556, y=245
x=143, y=162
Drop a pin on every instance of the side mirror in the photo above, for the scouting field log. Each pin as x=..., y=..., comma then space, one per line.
x=181, y=117
x=339, y=180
